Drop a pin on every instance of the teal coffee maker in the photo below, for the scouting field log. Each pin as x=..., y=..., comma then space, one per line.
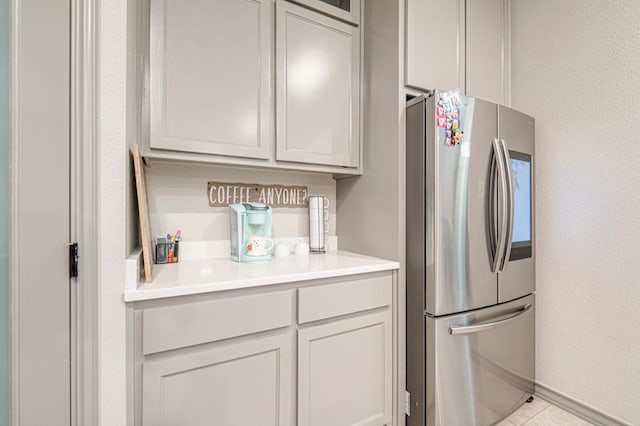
x=250, y=225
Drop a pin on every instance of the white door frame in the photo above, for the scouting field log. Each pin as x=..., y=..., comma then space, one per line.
x=83, y=211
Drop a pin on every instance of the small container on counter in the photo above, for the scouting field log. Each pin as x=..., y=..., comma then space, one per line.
x=318, y=223
x=281, y=250
x=167, y=248
x=301, y=249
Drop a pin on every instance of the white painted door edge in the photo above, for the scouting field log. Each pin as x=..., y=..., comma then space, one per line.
x=84, y=212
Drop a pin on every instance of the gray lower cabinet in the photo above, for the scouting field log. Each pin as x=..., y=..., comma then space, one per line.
x=317, y=88
x=307, y=354
x=243, y=384
x=344, y=372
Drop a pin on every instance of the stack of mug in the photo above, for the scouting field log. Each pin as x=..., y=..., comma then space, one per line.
x=318, y=224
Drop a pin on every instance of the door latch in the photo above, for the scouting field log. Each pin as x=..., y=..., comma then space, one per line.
x=407, y=403
x=73, y=260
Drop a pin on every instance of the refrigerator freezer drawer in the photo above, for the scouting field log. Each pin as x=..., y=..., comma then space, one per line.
x=480, y=365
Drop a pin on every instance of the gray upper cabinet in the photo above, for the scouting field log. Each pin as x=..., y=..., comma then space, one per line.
x=210, y=76
x=488, y=55
x=317, y=89
x=458, y=44
x=435, y=44
x=347, y=10
x=213, y=69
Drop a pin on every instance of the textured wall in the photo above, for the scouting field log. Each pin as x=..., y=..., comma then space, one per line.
x=135, y=87
x=178, y=199
x=113, y=154
x=370, y=207
x=576, y=68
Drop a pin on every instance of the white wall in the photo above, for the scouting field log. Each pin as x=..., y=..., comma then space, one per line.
x=178, y=199
x=113, y=155
x=576, y=68
x=371, y=206
x=134, y=106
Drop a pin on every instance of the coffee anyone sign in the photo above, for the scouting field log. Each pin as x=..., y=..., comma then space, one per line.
x=221, y=194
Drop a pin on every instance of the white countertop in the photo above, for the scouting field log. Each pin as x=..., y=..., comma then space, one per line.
x=218, y=274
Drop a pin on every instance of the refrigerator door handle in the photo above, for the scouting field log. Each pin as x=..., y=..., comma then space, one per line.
x=509, y=205
x=498, y=240
x=491, y=210
x=484, y=326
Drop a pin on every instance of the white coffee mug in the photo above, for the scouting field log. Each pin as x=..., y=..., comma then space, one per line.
x=301, y=249
x=259, y=246
x=281, y=250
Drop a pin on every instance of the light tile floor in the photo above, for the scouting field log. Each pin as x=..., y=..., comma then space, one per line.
x=542, y=413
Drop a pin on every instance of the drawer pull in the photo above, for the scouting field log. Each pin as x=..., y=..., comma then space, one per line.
x=484, y=326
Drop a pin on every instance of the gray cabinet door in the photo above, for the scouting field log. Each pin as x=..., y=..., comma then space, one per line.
x=318, y=88
x=344, y=372
x=488, y=50
x=435, y=44
x=243, y=384
x=347, y=10
x=210, y=76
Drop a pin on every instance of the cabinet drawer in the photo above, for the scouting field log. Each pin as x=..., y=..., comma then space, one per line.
x=332, y=300
x=173, y=327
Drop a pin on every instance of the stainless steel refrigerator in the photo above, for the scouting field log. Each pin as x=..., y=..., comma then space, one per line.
x=470, y=260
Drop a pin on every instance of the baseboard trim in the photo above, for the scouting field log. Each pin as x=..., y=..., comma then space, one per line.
x=576, y=407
